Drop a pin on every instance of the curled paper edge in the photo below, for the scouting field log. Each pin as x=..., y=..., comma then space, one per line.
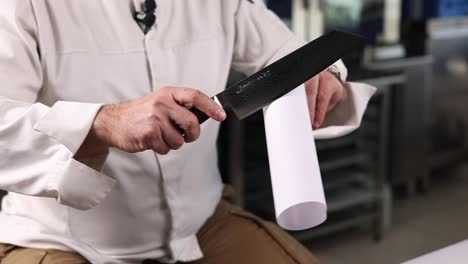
x=293, y=217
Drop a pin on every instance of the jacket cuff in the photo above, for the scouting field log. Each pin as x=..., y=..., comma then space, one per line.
x=78, y=185
x=342, y=69
x=68, y=123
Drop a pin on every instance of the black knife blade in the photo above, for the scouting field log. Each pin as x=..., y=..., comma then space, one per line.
x=262, y=88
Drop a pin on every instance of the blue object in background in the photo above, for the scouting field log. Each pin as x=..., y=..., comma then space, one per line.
x=425, y=9
x=446, y=8
x=281, y=7
x=416, y=9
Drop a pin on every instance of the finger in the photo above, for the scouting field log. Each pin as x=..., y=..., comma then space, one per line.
x=333, y=102
x=337, y=96
x=159, y=145
x=323, y=101
x=161, y=148
x=187, y=121
x=194, y=98
x=311, y=90
x=171, y=135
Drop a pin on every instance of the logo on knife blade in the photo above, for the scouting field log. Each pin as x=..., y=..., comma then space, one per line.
x=260, y=77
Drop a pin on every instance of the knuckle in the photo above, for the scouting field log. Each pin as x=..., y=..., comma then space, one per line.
x=194, y=135
x=196, y=132
x=326, y=75
x=179, y=143
x=135, y=146
x=147, y=135
x=165, y=150
x=145, y=145
x=162, y=152
x=194, y=94
x=185, y=90
x=312, y=82
x=159, y=107
x=165, y=89
x=312, y=91
x=318, y=113
x=197, y=92
x=189, y=139
x=161, y=149
x=177, y=140
x=329, y=75
x=156, y=118
x=310, y=86
x=322, y=97
x=191, y=122
x=158, y=103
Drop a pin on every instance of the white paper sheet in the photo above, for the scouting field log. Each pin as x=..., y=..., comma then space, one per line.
x=454, y=254
x=295, y=174
x=296, y=181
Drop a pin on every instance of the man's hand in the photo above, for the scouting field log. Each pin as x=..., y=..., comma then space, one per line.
x=324, y=92
x=151, y=122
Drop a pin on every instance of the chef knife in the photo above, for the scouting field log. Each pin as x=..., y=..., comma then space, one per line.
x=262, y=88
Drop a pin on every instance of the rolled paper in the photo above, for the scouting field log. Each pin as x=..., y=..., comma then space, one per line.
x=295, y=174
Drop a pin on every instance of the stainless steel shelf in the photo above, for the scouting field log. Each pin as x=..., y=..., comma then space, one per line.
x=342, y=159
x=324, y=145
x=342, y=178
x=335, y=226
x=349, y=197
x=448, y=157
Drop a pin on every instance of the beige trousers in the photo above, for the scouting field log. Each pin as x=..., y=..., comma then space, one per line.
x=230, y=236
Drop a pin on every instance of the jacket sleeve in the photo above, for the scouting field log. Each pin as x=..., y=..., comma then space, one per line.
x=262, y=38
x=38, y=142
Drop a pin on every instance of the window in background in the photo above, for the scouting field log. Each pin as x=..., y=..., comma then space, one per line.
x=364, y=17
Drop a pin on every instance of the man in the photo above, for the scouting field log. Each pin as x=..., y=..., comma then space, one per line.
x=95, y=167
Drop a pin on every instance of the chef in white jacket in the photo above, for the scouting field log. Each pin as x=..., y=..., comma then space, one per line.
x=89, y=152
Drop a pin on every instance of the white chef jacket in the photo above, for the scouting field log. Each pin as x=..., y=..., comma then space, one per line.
x=60, y=61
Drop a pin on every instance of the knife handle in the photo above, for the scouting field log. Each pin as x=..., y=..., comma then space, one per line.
x=202, y=117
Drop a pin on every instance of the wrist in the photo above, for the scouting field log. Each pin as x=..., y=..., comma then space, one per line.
x=97, y=138
x=335, y=71
x=102, y=125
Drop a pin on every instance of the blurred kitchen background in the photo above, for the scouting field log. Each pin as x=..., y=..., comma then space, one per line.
x=398, y=187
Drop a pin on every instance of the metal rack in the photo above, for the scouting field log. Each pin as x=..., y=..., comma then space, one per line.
x=410, y=121
x=446, y=42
